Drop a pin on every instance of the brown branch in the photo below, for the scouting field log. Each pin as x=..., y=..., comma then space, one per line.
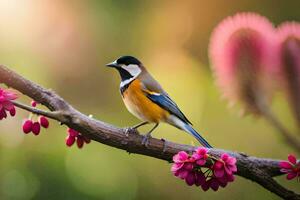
x=259, y=170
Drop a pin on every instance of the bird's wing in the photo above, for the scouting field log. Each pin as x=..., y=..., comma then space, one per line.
x=157, y=95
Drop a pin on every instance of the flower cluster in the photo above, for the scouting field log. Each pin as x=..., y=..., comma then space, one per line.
x=291, y=168
x=75, y=136
x=203, y=170
x=29, y=125
x=6, y=96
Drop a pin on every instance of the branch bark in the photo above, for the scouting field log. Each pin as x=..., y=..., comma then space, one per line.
x=259, y=170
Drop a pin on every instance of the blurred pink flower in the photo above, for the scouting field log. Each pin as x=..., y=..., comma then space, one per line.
x=290, y=167
x=289, y=47
x=6, y=96
x=242, y=56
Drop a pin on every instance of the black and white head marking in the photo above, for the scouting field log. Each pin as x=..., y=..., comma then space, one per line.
x=134, y=70
x=129, y=68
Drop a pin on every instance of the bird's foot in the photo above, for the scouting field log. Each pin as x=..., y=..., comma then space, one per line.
x=130, y=130
x=165, y=145
x=145, y=140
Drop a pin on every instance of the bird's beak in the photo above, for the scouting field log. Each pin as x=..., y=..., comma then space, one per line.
x=112, y=64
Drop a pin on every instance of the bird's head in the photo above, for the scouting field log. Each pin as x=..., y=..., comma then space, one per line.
x=128, y=66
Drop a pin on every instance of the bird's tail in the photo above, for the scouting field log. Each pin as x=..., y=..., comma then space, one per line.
x=194, y=133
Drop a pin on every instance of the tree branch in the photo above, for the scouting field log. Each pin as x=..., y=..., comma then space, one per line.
x=259, y=170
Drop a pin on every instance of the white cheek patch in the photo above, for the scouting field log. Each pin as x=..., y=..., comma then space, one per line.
x=134, y=70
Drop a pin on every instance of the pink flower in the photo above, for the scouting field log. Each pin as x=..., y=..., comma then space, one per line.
x=289, y=54
x=290, y=167
x=218, y=173
x=225, y=165
x=183, y=165
x=6, y=105
x=200, y=156
x=242, y=56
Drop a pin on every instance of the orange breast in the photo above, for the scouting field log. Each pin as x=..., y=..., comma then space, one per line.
x=142, y=107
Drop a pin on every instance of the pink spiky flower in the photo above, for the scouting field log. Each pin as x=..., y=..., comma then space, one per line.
x=289, y=53
x=242, y=56
x=6, y=105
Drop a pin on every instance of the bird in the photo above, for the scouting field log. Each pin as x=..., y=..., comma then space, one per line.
x=144, y=97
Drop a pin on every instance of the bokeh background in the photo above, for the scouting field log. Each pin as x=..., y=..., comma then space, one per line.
x=64, y=45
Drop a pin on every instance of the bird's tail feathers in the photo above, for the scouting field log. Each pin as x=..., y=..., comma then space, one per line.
x=189, y=129
x=194, y=133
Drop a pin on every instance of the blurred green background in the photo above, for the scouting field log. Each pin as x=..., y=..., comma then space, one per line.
x=64, y=45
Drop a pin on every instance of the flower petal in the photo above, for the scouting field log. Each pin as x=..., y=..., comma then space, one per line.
x=292, y=159
x=285, y=165
x=291, y=176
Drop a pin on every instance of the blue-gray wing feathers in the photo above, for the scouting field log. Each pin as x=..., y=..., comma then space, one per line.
x=166, y=103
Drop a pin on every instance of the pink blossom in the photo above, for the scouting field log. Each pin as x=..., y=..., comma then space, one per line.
x=225, y=165
x=242, y=56
x=200, y=156
x=183, y=165
x=290, y=167
x=6, y=105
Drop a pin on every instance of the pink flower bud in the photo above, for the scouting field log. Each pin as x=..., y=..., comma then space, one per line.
x=80, y=142
x=86, y=139
x=36, y=127
x=72, y=132
x=70, y=140
x=2, y=114
x=27, y=126
x=44, y=121
x=12, y=111
x=33, y=103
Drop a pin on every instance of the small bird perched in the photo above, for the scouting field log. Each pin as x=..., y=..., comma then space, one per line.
x=145, y=98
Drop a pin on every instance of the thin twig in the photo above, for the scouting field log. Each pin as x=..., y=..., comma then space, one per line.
x=52, y=115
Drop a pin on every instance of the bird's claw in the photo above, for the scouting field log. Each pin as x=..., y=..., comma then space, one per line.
x=165, y=145
x=130, y=130
x=145, y=140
